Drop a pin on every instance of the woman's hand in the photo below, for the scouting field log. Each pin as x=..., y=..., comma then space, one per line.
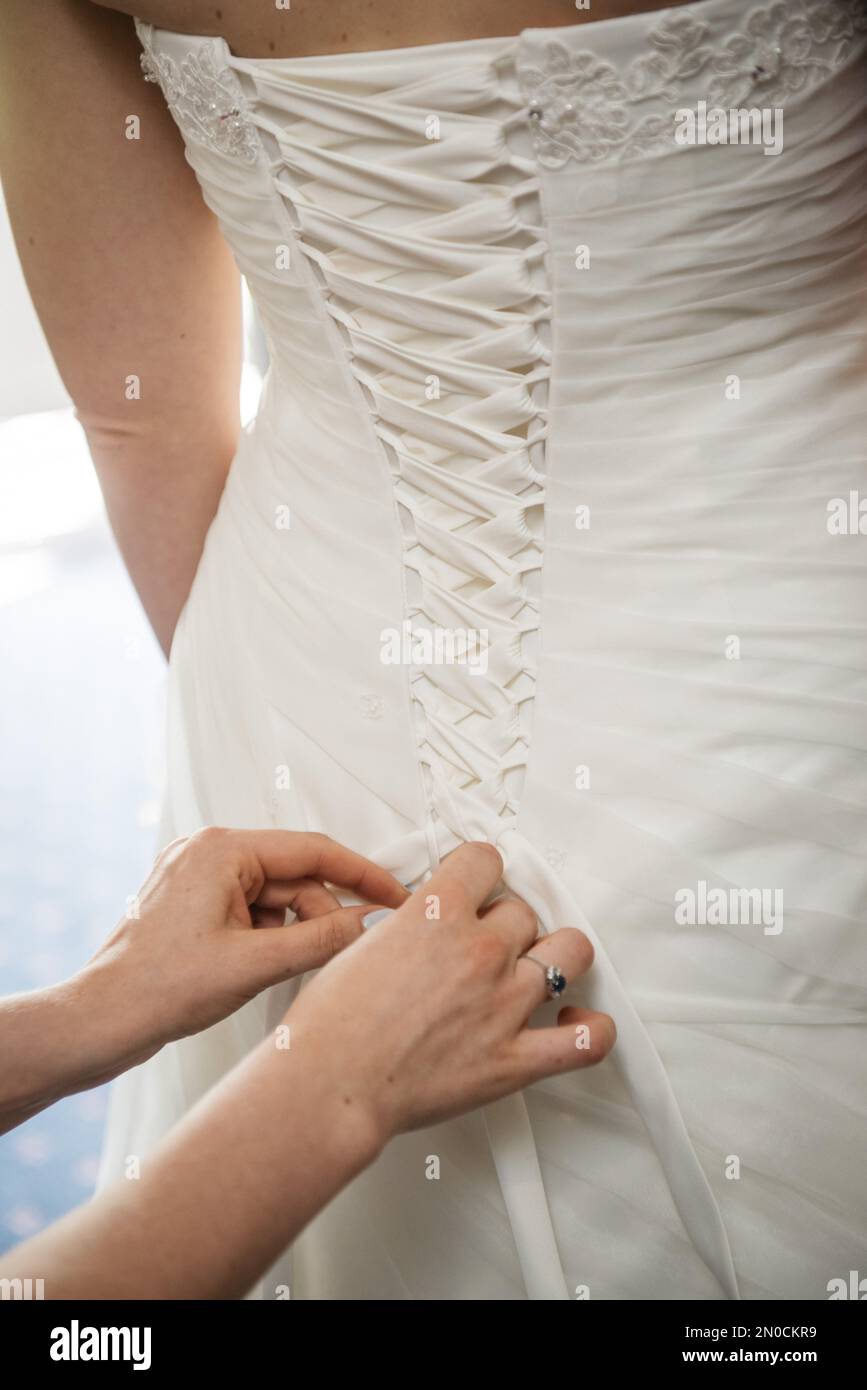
x=203, y=936
x=206, y=932
x=427, y=1015
x=424, y=1017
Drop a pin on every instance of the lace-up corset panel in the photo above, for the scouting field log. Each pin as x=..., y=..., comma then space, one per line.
x=412, y=214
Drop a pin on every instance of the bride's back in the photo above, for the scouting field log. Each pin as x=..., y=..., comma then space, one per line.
x=305, y=27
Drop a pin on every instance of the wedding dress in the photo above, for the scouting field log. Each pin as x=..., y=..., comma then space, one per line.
x=541, y=371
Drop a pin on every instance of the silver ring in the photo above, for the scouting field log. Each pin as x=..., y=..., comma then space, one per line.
x=555, y=980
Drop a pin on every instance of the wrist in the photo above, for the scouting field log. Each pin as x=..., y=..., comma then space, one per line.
x=52, y=1039
x=75, y=1035
x=321, y=1077
x=118, y=1027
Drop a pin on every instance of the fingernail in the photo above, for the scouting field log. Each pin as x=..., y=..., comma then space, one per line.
x=371, y=919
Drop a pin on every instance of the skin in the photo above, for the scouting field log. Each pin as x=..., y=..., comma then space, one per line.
x=257, y=28
x=205, y=935
x=424, y=1017
x=125, y=264
x=107, y=236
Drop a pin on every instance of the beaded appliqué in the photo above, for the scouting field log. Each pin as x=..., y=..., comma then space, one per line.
x=580, y=107
x=206, y=99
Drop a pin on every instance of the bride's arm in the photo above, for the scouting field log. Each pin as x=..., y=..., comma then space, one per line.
x=130, y=278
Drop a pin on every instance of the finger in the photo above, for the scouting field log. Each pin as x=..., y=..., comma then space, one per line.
x=280, y=953
x=514, y=920
x=313, y=899
x=469, y=874
x=569, y=949
x=287, y=854
x=306, y=897
x=267, y=916
x=581, y=1038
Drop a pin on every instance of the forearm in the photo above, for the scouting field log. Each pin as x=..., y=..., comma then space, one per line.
x=63, y=1039
x=32, y=1031
x=161, y=490
x=232, y=1186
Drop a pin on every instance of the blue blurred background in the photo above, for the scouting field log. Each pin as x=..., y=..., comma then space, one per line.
x=81, y=758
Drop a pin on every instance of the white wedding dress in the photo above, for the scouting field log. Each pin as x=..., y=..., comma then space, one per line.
x=539, y=371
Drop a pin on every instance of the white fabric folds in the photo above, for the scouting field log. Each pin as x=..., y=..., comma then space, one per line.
x=545, y=374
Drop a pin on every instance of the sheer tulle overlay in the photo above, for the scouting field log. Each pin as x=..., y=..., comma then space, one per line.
x=543, y=373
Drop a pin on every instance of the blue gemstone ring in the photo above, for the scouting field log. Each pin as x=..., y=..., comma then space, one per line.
x=555, y=980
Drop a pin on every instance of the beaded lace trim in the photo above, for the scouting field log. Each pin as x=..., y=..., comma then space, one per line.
x=582, y=108
x=206, y=99
x=579, y=106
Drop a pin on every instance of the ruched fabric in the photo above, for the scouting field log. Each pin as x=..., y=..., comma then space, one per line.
x=586, y=394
